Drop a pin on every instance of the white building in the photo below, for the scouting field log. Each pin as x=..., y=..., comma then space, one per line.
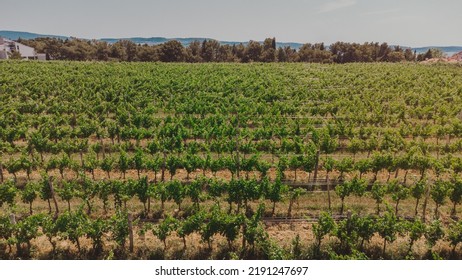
x=7, y=47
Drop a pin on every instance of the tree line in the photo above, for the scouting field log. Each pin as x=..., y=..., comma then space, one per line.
x=213, y=51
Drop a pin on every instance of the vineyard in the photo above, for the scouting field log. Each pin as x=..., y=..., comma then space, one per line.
x=230, y=161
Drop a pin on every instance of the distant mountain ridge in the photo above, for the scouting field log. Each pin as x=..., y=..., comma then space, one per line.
x=14, y=35
x=187, y=41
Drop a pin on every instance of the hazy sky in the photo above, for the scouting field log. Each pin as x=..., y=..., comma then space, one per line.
x=405, y=22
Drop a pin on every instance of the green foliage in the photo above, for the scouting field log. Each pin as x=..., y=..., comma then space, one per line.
x=6, y=228
x=387, y=226
x=191, y=224
x=176, y=191
x=176, y=113
x=107, y=165
x=276, y=192
x=418, y=189
x=95, y=231
x=123, y=163
x=253, y=229
x=438, y=193
x=416, y=230
x=434, y=232
x=8, y=193
x=141, y=189
x=455, y=193
x=71, y=225
x=454, y=235
x=366, y=228
x=398, y=192
x=26, y=229
x=165, y=228
x=118, y=227
x=323, y=227
x=378, y=192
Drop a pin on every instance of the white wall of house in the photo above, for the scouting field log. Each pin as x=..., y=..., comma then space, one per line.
x=7, y=46
x=3, y=54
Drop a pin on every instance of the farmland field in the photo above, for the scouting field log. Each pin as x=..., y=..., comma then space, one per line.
x=291, y=161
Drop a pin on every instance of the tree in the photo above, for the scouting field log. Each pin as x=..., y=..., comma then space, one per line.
x=252, y=230
x=433, y=233
x=346, y=232
x=431, y=53
x=209, y=50
x=387, y=228
x=194, y=191
x=455, y=235
x=24, y=231
x=358, y=186
x=190, y=163
x=141, y=189
x=329, y=165
x=416, y=230
x=417, y=191
x=65, y=162
x=118, y=226
x=344, y=165
x=95, y=229
x=154, y=164
x=90, y=163
x=123, y=163
x=282, y=166
x=275, y=193
x=87, y=190
x=281, y=55
x=161, y=192
x=49, y=229
x=378, y=192
x=165, y=228
x=173, y=163
x=398, y=192
x=253, y=52
x=343, y=190
x=15, y=55
x=29, y=194
x=269, y=50
x=363, y=166
x=323, y=227
x=104, y=189
x=294, y=195
x=294, y=164
x=366, y=228
x=263, y=167
x=438, y=193
x=45, y=190
x=67, y=192
x=107, y=165
x=455, y=194
x=396, y=56
x=139, y=161
x=13, y=166
x=230, y=227
x=212, y=227
x=176, y=191
x=71, y=225
x=172, y=51
x=191, y=224
x=8, y=193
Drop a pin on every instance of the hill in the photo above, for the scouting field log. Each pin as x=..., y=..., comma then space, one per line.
x=15, y=35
